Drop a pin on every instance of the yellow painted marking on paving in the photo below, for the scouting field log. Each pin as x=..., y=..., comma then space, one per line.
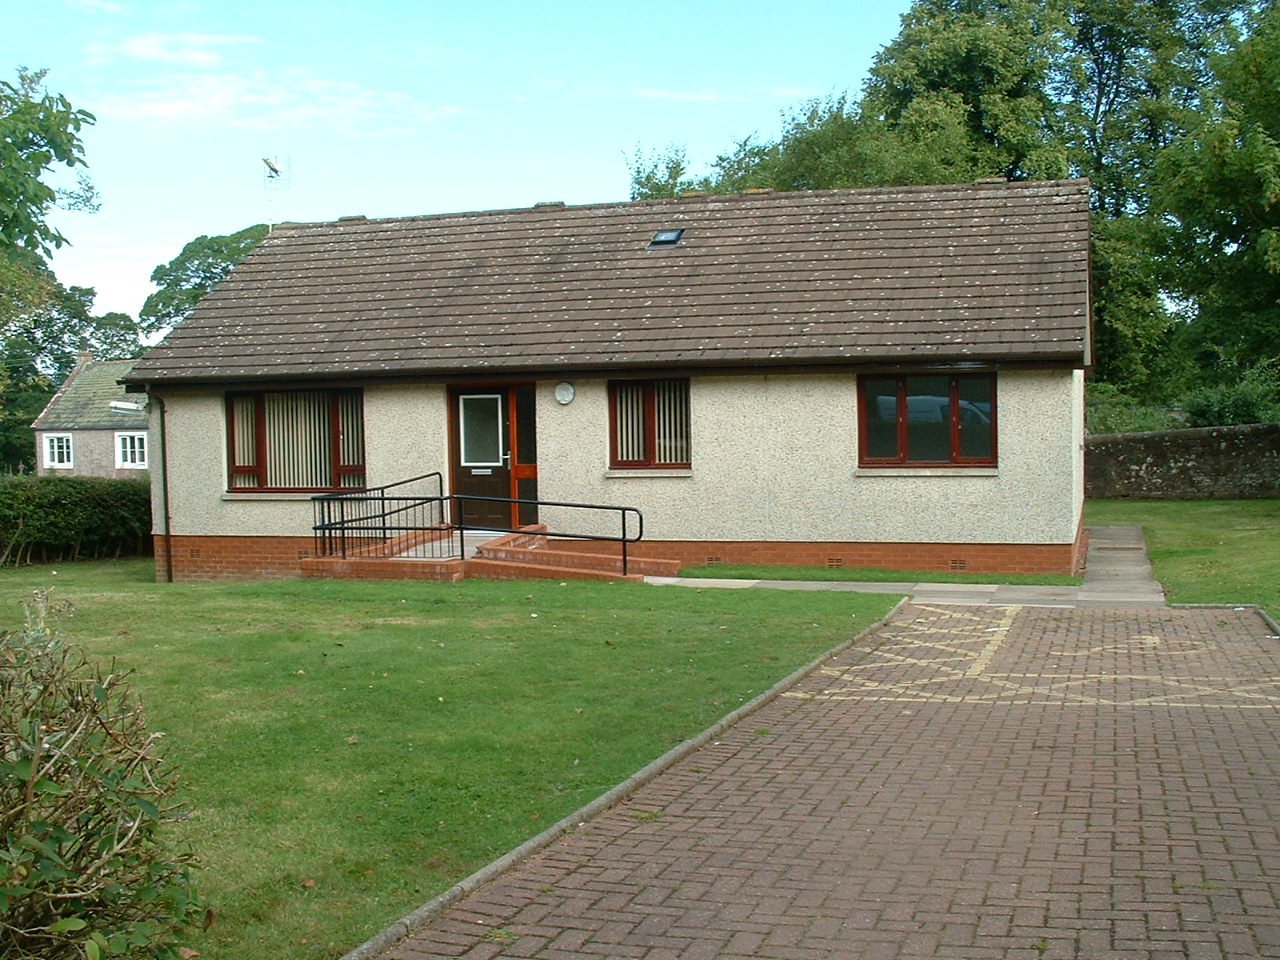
x=947, y=666
x=994, y=644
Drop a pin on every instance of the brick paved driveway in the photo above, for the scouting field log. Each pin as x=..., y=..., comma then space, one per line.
x=971, y=782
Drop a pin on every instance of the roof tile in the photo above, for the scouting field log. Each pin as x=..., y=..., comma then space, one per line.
x=981, y=271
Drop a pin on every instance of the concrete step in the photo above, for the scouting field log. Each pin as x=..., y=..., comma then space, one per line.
x=552, y=556
x=382, y=568
x=491, y=569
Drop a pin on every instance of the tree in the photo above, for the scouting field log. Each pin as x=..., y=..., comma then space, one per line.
x=1219, y=187
x=1128, y=85
x=188, y=277
x=987, y=63
x=38, y=131
x=1021, y=89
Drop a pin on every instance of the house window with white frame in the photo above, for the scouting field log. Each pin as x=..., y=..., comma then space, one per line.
x=131, y=451
x=58, y=451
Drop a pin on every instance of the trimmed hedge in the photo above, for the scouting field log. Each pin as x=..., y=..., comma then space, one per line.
x=55, y=519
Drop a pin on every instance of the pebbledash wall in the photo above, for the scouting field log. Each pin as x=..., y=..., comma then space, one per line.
x=774, y=479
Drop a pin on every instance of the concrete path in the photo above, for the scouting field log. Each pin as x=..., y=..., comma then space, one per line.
x=964, y=782
x=1117, y=574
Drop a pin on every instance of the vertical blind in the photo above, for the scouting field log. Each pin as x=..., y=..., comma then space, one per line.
x=651, y=422
x=297, y=439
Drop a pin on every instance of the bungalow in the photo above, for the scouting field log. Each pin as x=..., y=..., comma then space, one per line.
x=889, y=377
x=91, y=427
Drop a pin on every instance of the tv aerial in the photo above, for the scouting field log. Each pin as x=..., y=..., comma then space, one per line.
x=277, y=174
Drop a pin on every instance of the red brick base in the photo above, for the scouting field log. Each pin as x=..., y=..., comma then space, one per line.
x=1063, y=558
x=232, y=558
x=255, y=558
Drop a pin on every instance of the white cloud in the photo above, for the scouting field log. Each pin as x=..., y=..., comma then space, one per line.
x=292, y=100
x=192, y=49
x=689, y=96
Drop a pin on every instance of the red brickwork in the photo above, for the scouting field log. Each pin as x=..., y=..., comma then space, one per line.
x=1065, y=558
x=252, y=558
x=232, y=558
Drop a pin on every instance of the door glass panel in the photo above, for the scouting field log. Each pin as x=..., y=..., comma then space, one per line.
x=527, y=489
x=881, y=398
x=526, y=431
x=480, y=424
x=928, y=419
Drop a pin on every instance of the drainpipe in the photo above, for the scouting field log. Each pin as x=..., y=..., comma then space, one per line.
x=164, y=493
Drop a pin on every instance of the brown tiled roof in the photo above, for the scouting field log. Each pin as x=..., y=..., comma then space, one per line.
x=983, y=272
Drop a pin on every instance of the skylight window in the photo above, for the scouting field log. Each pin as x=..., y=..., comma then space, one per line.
x=666, y=238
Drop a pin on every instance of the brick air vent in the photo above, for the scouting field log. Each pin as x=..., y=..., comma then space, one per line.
x=835, y=563
x=713, y=561
x=959, y=564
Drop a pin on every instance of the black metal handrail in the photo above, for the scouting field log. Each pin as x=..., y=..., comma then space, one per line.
x=372, y=523
x=336, y=514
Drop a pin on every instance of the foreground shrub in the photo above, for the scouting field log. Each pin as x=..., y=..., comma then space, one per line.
x=54, y=519
x=1107, y=410
x=1253, y=398
x=84, y=872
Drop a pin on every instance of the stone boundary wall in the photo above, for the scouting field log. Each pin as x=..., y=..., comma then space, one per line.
x=1240, y=462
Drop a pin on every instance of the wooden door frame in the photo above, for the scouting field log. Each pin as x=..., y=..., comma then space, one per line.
x=516, y=471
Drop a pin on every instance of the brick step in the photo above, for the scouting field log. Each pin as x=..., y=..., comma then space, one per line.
x=552, y=556
x=511, y=570
x=379, y=568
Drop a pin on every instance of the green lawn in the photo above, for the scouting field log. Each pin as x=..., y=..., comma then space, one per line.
x=1206, y=551
x=349, y=750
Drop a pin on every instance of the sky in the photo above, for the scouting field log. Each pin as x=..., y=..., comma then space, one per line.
x=392, y=108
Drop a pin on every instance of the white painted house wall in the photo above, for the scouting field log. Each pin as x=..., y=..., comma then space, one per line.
x=774, y=457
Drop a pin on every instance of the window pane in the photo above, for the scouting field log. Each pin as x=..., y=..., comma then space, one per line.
x=297, y=425
x=246, y=451
x=928, y=419
x=977, y=436
x=481, y=429
x=671, y=412
x=351, y=429
x=881, y=417
x=629, y=423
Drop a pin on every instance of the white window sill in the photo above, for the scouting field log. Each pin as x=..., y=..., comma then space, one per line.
x=622, y=474
x=254, y=495
x=927, y=472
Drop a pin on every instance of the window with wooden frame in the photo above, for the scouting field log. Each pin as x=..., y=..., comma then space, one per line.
x=927, y=420
x=649, y=424
x=300, y=440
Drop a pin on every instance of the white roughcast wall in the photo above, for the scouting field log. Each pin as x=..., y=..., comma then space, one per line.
x=774, y=457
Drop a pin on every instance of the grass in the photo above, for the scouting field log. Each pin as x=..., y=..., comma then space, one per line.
x=1206, y=551
x=349, y=750
x=870, y=575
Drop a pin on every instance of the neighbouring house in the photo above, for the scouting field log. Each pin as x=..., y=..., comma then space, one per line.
x=888, y=377
x=91, y=427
